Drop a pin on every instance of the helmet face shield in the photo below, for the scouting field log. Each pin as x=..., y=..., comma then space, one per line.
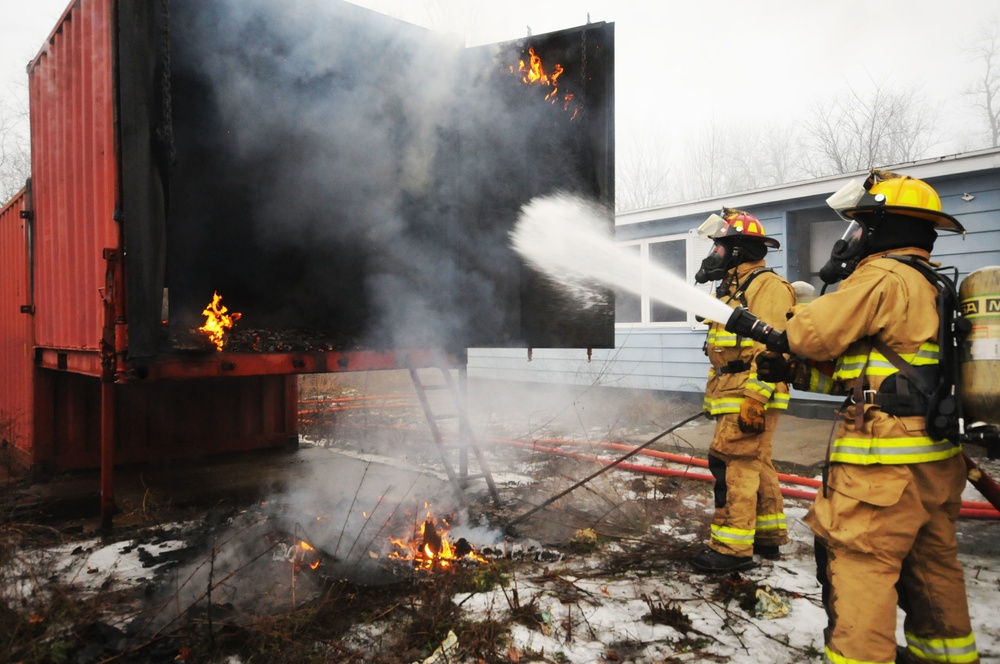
x=847, y=196
x=852, y=242
x=713, y=227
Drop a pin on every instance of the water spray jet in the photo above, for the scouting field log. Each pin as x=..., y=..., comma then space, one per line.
x=565, y=238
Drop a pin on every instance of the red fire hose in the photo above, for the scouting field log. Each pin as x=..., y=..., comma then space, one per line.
x=970, y=509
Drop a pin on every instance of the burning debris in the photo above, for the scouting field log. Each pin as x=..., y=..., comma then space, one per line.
x=432, y=548
x=259, y=340
x=218, y=321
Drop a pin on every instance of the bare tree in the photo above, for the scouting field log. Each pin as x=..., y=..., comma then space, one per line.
x=704, y=173
x=739, y=157
x=864, y=130
x=642, y=172
x=15, y=157
x=986, y=90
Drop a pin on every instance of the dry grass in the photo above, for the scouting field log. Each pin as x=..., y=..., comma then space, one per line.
x=44, y=619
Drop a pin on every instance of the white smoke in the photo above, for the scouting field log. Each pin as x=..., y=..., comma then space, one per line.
x=381, y=164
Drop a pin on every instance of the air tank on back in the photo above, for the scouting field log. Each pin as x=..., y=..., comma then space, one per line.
x=980, y=362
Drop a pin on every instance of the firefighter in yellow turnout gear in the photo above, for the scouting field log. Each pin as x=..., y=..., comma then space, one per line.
x=749, y=512
x=885, y=521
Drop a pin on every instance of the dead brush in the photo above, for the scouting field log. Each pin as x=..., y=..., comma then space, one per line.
x=403, y=622
x=40, y=612
x=663, y=613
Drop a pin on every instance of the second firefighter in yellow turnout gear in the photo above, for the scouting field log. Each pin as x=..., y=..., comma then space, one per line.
x=749, y=510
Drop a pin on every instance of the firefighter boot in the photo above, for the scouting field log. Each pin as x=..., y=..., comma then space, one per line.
x=713, y=562
x=767, y=551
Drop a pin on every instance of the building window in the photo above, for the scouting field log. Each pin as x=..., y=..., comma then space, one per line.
x=812, y=234
x=672, y=255
x=628, y=304
x=681, y=255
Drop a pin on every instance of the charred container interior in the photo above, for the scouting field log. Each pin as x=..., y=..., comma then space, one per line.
x=346, y=180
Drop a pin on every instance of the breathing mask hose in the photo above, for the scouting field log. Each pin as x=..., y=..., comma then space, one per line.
x=745, y=324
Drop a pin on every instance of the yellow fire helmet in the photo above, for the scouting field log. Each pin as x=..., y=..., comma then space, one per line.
x=898, y=194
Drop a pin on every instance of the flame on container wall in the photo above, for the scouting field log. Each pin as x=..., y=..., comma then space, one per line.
x=74, y=175
x=16, y=346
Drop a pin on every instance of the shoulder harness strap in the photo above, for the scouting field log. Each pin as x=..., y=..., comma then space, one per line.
x=741, y=289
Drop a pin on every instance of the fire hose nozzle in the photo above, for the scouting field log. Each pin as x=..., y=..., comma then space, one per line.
x=745, y=324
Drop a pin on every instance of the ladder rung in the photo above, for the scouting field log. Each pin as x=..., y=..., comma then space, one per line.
x=466, y=441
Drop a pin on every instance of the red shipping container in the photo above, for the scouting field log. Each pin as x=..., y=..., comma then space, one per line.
x=16, y=339
x=154, y=185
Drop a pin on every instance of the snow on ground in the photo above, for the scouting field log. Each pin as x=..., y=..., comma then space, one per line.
x=585, y=617
x=608, y=619
x=584, y=608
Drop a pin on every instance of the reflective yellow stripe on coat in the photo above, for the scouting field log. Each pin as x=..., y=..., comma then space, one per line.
x=870, y=450
x=732, y=403
x=721, y=338
x=849, y=366
x=867, y=451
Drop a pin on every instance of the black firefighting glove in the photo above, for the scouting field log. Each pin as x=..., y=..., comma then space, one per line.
x=775, y=368
x=751, y=418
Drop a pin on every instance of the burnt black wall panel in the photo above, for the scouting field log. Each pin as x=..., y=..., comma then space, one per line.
x=350, y=179
x=550, y=319
x=144, y=148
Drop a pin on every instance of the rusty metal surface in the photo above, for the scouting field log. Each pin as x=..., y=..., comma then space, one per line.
x=213, y=364
x=163, y=420
x=74, y=175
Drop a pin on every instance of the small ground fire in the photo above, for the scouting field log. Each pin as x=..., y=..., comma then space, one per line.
x=431, y=547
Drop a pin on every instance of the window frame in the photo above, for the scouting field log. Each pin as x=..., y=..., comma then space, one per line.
x=695, y=249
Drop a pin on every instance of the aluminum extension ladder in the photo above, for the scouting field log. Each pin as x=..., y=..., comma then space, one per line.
x=460, y=478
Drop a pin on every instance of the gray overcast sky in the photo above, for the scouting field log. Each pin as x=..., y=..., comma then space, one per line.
x=682, y=63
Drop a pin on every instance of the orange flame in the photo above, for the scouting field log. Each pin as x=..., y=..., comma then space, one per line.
x=304, y=548
x=217, y=321
x=534, y=72
x=432, y=548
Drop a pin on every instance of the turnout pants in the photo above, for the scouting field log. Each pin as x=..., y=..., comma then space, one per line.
x=748, y=503
x=886, y=536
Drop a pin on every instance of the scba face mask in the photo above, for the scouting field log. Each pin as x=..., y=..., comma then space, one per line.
x=716, y=264
x=846, y=253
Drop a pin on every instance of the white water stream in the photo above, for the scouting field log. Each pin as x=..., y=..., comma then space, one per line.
x=566, y=238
